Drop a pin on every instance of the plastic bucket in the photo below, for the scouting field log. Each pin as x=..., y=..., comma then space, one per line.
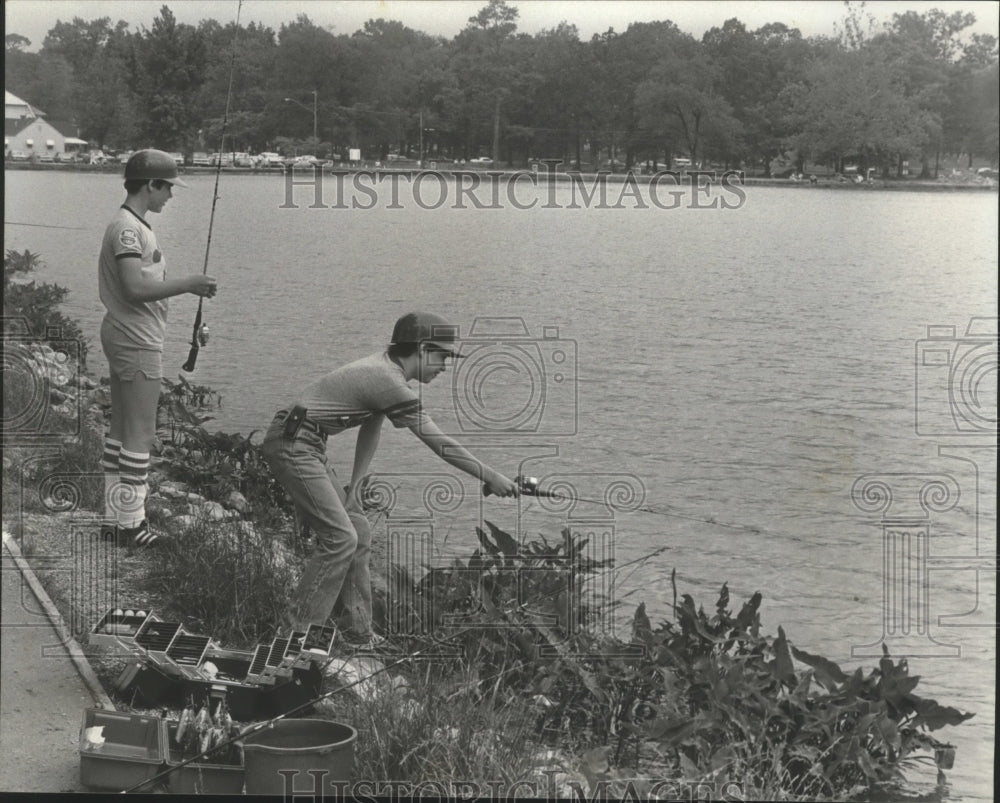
x=278, y=759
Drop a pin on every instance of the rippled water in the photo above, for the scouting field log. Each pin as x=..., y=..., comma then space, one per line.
x=741, y=367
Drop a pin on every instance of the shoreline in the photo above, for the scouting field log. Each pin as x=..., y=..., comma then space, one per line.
x=824, y=183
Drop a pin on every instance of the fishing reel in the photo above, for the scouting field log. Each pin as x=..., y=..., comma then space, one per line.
x=526, y=486
x=203, y=335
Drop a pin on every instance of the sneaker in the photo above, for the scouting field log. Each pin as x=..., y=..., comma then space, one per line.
x=140, y=535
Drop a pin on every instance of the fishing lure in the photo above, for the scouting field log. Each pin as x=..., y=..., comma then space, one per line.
x=187, y=718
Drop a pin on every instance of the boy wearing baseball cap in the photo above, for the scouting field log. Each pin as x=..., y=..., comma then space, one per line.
x=134, y=288
x=364, y=394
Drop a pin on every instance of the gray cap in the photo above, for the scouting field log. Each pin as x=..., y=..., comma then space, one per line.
x=426, y=327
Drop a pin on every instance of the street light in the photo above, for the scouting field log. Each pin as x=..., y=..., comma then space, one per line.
x=315, y=117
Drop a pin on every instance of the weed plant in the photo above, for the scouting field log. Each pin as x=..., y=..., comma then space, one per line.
x=226, y=578
x=439, y=734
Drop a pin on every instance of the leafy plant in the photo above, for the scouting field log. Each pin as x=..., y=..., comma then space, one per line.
x=30, y=308
x=712, y=698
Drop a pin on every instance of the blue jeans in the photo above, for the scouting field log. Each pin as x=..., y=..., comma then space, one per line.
x=339, y=565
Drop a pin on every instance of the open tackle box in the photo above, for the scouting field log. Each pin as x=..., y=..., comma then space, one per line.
x=170, y=665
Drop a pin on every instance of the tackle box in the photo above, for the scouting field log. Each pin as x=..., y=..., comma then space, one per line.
x=133, y=749
x=206, y=778
x=288, y=694
x=119, y=626
x=241, y=694
x=147, y=683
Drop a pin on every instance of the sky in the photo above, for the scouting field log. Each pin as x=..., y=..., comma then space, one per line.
x=33, y=18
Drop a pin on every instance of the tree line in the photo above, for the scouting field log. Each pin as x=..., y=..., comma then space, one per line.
x=917, y=87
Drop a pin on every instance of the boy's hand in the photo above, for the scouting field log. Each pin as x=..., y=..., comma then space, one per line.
x=500, y=486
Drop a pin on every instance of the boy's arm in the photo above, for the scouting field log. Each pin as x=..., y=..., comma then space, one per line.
x=368, y=438
x=137, y=288
x=452, y=452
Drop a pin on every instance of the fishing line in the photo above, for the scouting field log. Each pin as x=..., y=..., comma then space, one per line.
x=44, y=226
x=199, y=334
x=528, y=486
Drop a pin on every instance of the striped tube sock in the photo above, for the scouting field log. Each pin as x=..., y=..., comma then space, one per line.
x=109, y=464
x=134, y=467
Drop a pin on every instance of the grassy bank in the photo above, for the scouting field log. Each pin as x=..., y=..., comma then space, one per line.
x=499, y=672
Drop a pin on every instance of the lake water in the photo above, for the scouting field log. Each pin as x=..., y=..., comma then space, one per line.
x=739, y=369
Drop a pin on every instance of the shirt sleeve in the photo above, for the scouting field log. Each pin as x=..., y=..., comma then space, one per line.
x=126, y=241
x=406, y=413
x=399, y=403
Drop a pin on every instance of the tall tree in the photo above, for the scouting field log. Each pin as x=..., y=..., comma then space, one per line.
x=484, y=60
x=681, y=98
x=166, y=68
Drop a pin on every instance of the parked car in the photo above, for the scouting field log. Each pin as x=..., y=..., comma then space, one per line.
x=177, y=157
x=46, y=156
x=18, y=156
x=482, y=161
x=269, y=159
x=242, y=159
x=201, y=159
x=124, y=156
x=224, y=159
x=308, y=160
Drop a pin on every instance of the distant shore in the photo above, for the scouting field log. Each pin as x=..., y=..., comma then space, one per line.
x=822, y=182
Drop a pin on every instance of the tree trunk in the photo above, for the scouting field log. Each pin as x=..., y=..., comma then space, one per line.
x=496, y=131
x=937, y=163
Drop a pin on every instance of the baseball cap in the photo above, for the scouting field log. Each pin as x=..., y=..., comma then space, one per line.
x=426, y=327
x=151, y=164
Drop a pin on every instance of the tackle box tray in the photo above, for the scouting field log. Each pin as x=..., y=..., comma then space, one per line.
x=119, y=626
x=319, y=640
x=188, y=649
x=156, y=636
x=133, y=750
x=205, y=778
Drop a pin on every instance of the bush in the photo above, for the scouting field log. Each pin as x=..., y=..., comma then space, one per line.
x=229, y=579
x=35, y=305
x=711, y=698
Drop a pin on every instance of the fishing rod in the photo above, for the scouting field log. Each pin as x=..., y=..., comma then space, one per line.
x=528, y=486
x=199, y=334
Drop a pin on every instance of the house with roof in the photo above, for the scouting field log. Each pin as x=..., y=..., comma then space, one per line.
x=14, y=108
x=28, y=136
